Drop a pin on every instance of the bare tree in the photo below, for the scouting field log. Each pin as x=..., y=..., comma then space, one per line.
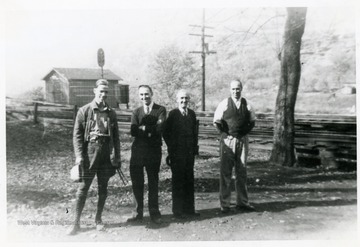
x=283, y=152
x=174, y=68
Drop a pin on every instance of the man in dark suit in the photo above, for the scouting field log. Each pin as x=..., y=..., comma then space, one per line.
x=146, y=127
x=180, y=135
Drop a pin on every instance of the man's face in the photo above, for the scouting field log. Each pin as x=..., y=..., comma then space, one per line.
x=235, y=89
x=101, y=93
x=145, y=95
x=183, y=100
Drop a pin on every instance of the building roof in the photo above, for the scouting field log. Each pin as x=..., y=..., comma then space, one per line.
x=83, y=74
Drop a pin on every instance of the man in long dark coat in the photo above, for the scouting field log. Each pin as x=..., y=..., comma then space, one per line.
x=180, y=135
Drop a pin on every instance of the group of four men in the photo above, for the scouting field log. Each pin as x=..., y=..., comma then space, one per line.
x=97, y=150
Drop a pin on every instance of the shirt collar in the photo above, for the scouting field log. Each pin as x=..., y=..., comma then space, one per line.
x=183, y=110
x=150, y=106
x=235, y=100
x=95, y=106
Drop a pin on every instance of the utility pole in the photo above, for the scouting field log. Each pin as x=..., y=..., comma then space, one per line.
x=204, y=51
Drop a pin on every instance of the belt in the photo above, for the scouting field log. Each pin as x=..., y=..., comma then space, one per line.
x=100, y=139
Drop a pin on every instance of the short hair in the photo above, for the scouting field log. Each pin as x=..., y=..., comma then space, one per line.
x=182, y=91
x=102, y=82
x=238, y=80
x=146, y=86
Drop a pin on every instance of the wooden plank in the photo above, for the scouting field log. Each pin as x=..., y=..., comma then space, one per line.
x=56, y=114
x=320, y=131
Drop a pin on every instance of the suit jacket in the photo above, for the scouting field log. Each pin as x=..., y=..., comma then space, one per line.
x=181, y=132
x=146, y=147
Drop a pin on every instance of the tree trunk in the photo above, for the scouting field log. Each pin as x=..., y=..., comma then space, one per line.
x=283, y=152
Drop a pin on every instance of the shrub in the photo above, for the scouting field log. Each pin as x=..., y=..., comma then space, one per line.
x=36, y=94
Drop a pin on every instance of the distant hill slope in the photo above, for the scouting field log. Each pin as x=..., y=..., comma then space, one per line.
x=328, y=62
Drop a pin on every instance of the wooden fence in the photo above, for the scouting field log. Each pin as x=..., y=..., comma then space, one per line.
x=320, y=140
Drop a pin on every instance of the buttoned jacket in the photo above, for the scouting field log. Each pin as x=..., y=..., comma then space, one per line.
x=81, y=134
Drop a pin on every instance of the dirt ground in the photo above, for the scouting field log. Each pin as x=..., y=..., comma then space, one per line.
x=291, y=203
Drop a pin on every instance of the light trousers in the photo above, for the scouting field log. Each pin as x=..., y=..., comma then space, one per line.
x=233, y=153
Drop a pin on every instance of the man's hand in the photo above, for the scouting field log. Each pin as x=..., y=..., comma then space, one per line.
x=222, y=127
x=230, y=137
x=116, y=162
x=168, y=160
x=142, y=127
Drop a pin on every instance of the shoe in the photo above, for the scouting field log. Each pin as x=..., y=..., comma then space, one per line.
x=100, y=226
x=156, y=220
x=245, y=208
x=225, y=210
x=136, y=218
x=179, y=216
x=193, y=214
x=73, y=230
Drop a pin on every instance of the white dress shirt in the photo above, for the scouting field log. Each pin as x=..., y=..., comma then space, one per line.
x=149, y=106
x=183, y=111
x=223, y=106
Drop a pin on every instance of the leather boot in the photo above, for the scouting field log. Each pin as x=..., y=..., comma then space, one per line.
x=80, y=203
x=100, y=207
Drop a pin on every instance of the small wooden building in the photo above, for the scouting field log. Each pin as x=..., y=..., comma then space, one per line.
x=74, y=86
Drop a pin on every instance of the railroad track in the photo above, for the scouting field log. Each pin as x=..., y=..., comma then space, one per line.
x=317, y=137
x=320, y=140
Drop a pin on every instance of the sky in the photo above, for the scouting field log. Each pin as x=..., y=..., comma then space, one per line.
x=39, y=37
x=37, y=41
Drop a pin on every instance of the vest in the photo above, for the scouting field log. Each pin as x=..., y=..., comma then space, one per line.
x=236, y=120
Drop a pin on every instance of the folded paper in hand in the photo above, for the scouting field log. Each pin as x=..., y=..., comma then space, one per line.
x=75, y=173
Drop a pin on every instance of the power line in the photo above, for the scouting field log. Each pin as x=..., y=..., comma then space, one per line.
x=246, y=33
x=260, y=27
x=213, y=16
x=229, y=18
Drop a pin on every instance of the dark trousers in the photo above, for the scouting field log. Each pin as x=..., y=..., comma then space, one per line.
x=150, y=159
x=182, y=170
x=99, y=164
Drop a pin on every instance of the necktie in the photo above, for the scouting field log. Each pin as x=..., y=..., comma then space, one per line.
x=184, y=113
x=147, y=111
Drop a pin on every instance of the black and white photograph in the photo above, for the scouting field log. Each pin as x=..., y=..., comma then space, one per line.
x=179, y=122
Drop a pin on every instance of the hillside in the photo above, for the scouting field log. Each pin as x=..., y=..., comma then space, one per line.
x=328, y=62
x=248, y=48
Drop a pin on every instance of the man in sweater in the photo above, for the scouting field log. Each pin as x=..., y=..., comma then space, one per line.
x=146, y=127
x=234, y=119
x=181, y=137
